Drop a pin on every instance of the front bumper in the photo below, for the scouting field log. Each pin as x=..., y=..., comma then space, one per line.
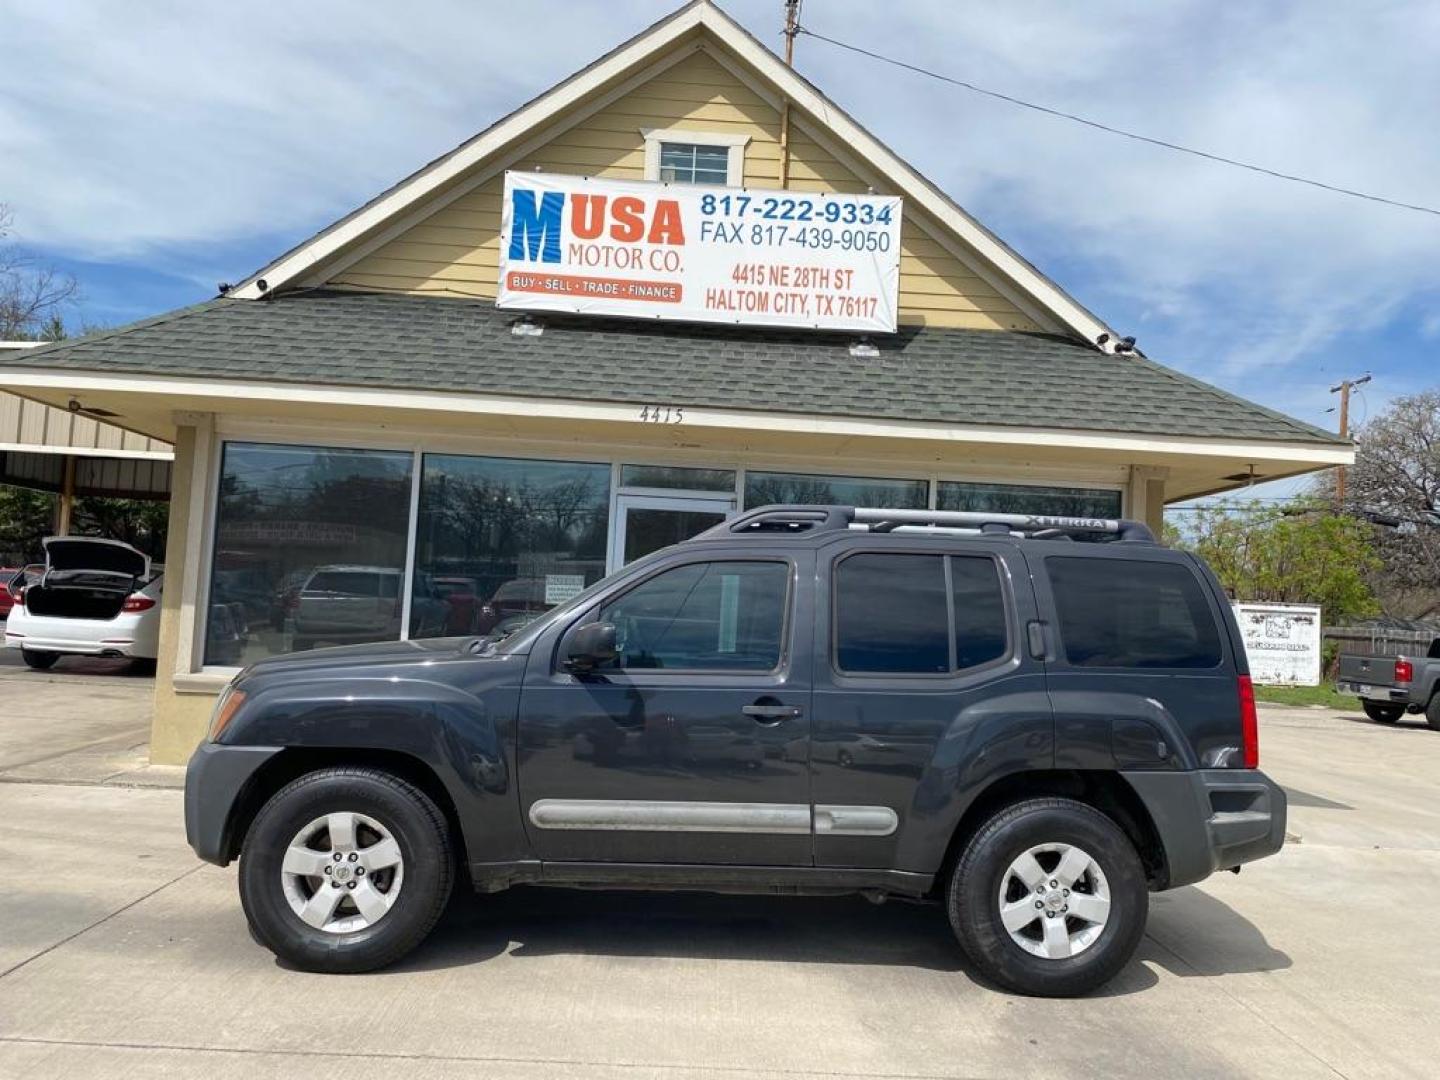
x=1212, y=819
x=215, y=781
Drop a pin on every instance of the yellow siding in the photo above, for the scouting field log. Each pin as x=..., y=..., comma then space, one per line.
x=455, y=251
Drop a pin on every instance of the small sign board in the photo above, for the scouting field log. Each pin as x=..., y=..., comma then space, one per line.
x=699, y=252
x=562, y=587
x=1282, y=642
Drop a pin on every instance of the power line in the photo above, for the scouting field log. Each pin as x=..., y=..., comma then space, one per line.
x=1218, y=158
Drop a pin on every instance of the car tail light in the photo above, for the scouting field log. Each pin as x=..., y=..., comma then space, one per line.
x=1249, y=723
x=137, y=603
x=1404, y=671
x=19, y=596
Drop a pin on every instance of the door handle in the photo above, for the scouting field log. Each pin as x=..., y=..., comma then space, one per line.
x=772, y=714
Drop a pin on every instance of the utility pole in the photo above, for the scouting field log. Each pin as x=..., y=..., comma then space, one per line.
x=1343, y=388
x=792, y=30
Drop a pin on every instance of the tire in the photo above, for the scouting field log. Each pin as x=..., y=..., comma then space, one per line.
x=40, y=661
x=1432, y=711
x=141, y=666
x=1086, y=954
x=380, y=807
x=1382, y=713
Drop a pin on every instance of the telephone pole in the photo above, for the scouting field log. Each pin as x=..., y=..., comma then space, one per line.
x=791, y=31
x=1343, y=388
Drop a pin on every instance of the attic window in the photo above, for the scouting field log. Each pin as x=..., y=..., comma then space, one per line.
x=673, y=156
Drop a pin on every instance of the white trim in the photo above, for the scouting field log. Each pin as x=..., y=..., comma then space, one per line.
x=412, y=542
x=509, y=407
x=23, y=344
x=438, y=173
x=406, y=222
x=650, y=43
x=88, y=451
x=735, y=143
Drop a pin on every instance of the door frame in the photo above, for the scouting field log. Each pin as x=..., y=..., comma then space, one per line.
x=714, y=503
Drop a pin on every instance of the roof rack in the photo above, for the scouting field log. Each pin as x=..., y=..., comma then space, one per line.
x=791, y=520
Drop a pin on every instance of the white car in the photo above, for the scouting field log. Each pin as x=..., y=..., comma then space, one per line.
x=96, y=598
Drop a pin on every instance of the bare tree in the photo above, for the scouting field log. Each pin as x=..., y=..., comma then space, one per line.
x=31, y=293
x=1397, y=474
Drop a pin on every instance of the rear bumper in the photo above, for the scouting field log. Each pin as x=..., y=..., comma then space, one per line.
x=1387, y=695
x=214, y=781
x=1212, y=819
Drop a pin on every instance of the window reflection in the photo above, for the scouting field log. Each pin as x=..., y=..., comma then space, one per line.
x=1028, y=499
x=309, y=550
x=501, y=540
x=768, y=488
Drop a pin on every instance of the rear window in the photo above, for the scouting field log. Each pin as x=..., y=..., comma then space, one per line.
x=1132, y=613
x=896, y=614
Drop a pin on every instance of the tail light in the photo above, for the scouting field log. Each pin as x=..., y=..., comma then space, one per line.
x=1404, y=670
x=137, y=602
x=19, y=596
x=1249, y=723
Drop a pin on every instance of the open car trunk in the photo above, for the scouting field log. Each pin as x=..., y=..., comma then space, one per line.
x=72, y=594
x=86, y=578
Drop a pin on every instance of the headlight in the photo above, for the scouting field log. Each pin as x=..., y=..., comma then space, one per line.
x=225, y=710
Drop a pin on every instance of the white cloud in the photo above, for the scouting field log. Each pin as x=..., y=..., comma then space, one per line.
x=139, y=131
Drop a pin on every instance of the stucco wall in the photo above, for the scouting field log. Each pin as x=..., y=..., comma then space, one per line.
x=180, y=719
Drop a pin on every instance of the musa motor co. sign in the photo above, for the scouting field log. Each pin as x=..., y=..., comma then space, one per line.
x=701, y=254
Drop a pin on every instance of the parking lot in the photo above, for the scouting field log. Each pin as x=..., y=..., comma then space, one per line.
x=122, y=956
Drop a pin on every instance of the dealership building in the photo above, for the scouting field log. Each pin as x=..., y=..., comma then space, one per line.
x=681, y=283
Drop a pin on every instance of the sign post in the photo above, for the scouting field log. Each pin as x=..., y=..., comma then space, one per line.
x=698, y=253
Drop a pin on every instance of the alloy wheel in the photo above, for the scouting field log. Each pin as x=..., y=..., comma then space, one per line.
x=1054, y=901
x=342, y=872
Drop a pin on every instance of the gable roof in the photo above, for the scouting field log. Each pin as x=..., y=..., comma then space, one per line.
x=699, y=17
x=930, y=374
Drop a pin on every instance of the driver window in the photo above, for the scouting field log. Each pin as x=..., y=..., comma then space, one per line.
x=717, y=616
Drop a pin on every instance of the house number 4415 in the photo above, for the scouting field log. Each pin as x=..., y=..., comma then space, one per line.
x=663, y=414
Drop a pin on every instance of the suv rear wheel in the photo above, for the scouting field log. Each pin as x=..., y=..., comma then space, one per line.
x=40, y=661
x=1049, y=898
x=345, y=870
x=1381, y=713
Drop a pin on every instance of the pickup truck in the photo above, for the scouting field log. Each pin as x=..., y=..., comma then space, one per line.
x=1390, y=686
x=1031, y=722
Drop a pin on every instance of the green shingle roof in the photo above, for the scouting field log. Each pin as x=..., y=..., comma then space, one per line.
x=927, y=374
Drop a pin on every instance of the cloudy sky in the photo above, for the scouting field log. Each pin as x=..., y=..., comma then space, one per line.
x=157, y=147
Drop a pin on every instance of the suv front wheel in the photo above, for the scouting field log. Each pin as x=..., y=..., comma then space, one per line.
x=1049, y=898
x=345, y=870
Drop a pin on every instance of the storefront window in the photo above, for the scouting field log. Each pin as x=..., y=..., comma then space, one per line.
x=501, y=540
x=309, y=550
x=1028, y=499
x=767, y=488
x=677, y=477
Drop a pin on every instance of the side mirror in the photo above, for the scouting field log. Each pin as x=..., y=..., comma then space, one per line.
x=591, y=646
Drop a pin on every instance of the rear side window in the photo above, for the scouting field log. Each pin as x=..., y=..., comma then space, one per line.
x=1132, y=613
x=913, y=615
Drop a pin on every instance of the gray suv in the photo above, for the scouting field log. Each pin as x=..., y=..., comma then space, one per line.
x=1031, y=721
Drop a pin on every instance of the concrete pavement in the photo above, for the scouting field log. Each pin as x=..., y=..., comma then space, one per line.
x=121, y=956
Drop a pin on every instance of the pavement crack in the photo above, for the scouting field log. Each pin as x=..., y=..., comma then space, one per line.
x=479, y=1059
x=99, y=922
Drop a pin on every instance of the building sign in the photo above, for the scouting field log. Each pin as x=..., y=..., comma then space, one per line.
x=699, y=253
x=1282, y=643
